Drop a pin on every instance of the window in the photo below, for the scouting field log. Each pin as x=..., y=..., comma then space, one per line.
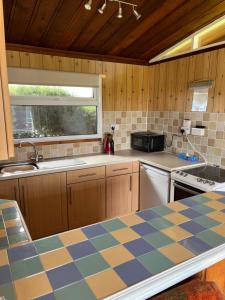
x=53, y=111
x=200, y=99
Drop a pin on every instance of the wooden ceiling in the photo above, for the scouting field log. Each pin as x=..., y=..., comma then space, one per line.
x=64, y=26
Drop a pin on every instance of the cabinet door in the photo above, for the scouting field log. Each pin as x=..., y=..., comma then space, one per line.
x=119, y=195
x=86, y=203
x=44, y=204
x=6, y=145
x=9, y=189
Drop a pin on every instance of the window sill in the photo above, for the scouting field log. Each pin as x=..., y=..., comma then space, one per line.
x=39, y=142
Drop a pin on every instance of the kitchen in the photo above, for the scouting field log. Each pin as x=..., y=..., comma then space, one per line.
x=167, y=121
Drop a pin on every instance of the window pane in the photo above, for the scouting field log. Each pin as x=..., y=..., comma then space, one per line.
x=200, y=99
x=56, y=91
x=52, y=121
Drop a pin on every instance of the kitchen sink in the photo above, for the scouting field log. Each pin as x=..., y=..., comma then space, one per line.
x=60, y=163
x=18, y=168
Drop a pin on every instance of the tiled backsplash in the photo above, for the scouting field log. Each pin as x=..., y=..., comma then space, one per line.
x=127, y=122
x=212, y=145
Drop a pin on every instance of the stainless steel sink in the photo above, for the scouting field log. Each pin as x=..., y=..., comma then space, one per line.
x=18, y=168
x=60, y=163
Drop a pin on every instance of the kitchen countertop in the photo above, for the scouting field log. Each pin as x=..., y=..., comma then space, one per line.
x=131, y=257
x=163, y=160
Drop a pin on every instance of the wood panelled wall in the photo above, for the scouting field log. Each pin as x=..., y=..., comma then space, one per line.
x=169, y=82
x=125, y=87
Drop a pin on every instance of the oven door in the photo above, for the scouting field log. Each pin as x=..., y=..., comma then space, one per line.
x=181, y=191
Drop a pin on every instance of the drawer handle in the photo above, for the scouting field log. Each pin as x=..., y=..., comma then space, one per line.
x=87, y=175
x=23, y=202
x=130, y=183
x=121, y=169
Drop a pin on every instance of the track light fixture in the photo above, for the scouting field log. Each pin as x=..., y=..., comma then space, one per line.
x=120, y=10
x=102, y=8
x=88, y=5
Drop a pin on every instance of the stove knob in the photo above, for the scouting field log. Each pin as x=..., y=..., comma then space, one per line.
x=199, y=179
x=212, y=183
x=177, y=172
x=185, y=174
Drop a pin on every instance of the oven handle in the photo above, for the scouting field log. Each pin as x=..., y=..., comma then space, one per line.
x=185, y=189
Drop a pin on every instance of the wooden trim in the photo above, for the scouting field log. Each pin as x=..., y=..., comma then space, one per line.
x=5, y=90
x=192, y=53
x=74, y=54
x=59, y=142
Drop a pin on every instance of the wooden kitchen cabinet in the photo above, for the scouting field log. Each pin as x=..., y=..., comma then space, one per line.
x=43, y=204
x=86, y=203
x=6, y=137
x=119, y=195
x=9, y=190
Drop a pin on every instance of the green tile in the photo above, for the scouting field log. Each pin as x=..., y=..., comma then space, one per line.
x=48, y=244
x=78, y=290
x=104, y=241
x=206, y=222
x=91, y=264
x=201, y=199
x=1, y=224
x=26, y=267
x=211, y=238
x=202, y=209
x=162, y=210
x=155, y=262
x=160, y=223
x=11, y=216
x=158, y=239
x=7, y=291
x=113, y=225
x=16, y=238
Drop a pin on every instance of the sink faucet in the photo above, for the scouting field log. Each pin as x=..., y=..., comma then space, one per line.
x=35, y=157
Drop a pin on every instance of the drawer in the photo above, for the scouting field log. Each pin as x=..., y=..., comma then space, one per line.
x=85, y=174
x=135, y=166
x=118, y=169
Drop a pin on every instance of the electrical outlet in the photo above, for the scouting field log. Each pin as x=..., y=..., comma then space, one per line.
x=116, y=126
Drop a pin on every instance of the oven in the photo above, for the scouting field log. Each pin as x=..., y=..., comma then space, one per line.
x=180, y=190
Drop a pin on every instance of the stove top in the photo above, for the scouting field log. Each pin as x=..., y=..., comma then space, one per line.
x=212, y=173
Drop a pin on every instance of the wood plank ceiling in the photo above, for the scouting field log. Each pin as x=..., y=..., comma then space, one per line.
x=65, y=26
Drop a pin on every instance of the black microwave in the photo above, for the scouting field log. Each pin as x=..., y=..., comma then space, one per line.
x=147, y=141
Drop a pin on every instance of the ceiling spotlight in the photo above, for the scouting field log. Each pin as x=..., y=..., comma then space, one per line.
x=102, y=8
x=136, y=13
x=120, y=11
x=88, y=5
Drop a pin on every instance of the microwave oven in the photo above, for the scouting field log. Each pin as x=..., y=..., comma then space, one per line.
x=147, y=141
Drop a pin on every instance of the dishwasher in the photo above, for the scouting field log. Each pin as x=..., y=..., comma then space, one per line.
x=154, y=186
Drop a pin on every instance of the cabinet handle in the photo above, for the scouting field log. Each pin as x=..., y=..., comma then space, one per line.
x=70, y=194
x=130, y=182
x=87, y=175
x=121, y=169
x=23, y=201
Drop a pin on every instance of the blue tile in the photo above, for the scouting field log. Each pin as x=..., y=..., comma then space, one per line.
x=147, y=214
x=4, y=243
x=5, y=275
x=94, y=230
x=195, y=245
x=132, y=272
x=190, y=213
x=139, y=247
x=81, y=249
x=192, y=227
x=14, y=230
x=222, y=200
x=21, y=252
x=64, y=275
x=143, y=228
x=189, y=202
x=9, y=210
x=46, y=297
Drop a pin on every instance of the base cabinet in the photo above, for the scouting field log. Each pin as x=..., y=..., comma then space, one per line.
x=119, y=195
x=43, y=204
x=86, y=203
x=9, y=190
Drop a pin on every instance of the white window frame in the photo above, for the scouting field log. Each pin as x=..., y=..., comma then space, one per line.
x=57, y=78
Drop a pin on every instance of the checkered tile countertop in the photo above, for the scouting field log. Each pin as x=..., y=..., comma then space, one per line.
x=102, y=259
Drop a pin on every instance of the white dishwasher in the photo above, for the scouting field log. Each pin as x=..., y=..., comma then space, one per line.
x=154, y=187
